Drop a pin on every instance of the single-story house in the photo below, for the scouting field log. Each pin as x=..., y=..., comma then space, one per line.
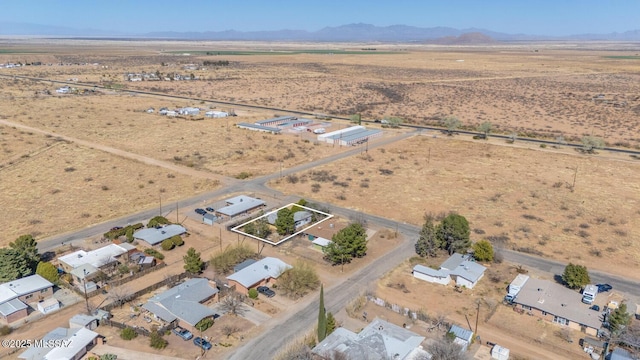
x=431, y=275
x=262, y=272
x=189, y=111
x=101, y=258
x=321, y=243
x=301, y=218
x=621, y=354
x=325, y=230
x=457, y=267
x=216, y=114
x=379, y=340
x=558, y=304
x=243, y=265
x=77, y=341
x=85, y=272
x=154, y=236
x=463, y=338
x=184, y=303
x=239, y=205
x=16, y=294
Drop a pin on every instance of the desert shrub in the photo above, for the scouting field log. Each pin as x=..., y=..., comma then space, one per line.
x=5, y=330
x=226, y=260
x=204, y=324
x=167, y=245
x=155, y=253
x=243, y=175
x=157, y=221
x=315, y=187
x=156, y=341
x=177, y=240
x=114, y=234
x=483, y=251
x=298, y=281
x=128, y=333
x=253, y=293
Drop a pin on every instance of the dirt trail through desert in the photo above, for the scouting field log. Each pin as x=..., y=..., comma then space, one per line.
x=125, y=154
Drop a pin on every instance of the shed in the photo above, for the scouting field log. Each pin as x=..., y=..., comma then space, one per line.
x=463, y=336
x=209, y=218
x=49, y=305
x=83, y=321
x=499, y=353
x=321, y=243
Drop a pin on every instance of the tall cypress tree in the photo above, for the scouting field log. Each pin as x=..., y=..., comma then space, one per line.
x=322, y=317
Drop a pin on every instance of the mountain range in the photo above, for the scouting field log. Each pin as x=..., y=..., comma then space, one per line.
x=352, y=32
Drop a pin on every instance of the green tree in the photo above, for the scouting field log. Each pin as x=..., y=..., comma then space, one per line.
x=262, y=229
x=204, y=324
x=12, y=265
x=331, y=323
x=451, y=123
x=427, y=243
x=591, y=143
x=156, y=340
x=346, y=244
x=485, y=128
x=298, y=281
x=453, y=234
x=27, y=247
x=167, y=244
x=356, y=119
x=483, y=251
x=129, y=234
x=575, y=276
x=250, y=228
x=284, y=223
x=253, y=293
x=158, y=220
x=322, y=317
x=128, y=333
x=48, y=271
x=177, y=240
x=619, y=318
x=192, y=261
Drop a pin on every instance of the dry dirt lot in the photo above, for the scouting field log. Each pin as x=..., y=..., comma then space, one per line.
x=60, y=187
x=516, y=197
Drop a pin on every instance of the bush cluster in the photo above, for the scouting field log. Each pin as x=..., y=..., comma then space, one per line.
x=231, y=256
x=114, y=234
x=155, y=253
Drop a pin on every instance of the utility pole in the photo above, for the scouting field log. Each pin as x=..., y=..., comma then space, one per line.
x=177, y=217
x=86, y=298
x=477, y=316
x=575, y=174
x=160, y=197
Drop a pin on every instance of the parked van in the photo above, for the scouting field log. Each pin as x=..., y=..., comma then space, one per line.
x=589, y=294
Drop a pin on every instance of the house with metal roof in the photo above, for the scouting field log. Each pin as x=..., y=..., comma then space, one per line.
x=183, y=302
x=16, y=294
x=262, y=272
x=353, y=135
x=380, y=340
x=154, y=236
x=99, y=258
x=559, y=305
x=458, y=267
x=74, y=344
x=431, y=275
x=239, y=205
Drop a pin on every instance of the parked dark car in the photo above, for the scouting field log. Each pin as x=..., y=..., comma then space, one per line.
x=200, y=211
x=264, y=290
x=202, y=343
x=595, y=308
x=210, y=209
x=116, y=228
x=183, y=333
x=604, y=287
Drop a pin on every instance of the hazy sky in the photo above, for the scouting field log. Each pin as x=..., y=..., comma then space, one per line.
x=540, y=17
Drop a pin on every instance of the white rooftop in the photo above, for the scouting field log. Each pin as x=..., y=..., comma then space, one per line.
x=79, y=338
x=98, y=257
x=19, y=287
x=268, y=267
x=155, y=236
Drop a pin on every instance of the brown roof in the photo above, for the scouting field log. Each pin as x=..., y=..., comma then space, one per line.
x=327, y=229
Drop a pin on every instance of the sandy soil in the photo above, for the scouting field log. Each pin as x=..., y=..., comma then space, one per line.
x=516, y=197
